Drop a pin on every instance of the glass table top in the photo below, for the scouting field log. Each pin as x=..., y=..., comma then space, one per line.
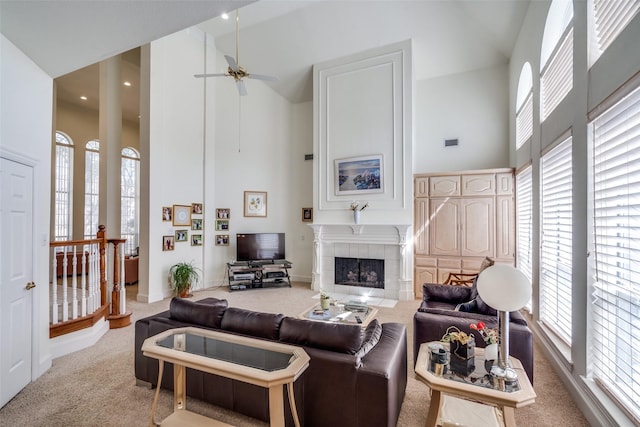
x=240, y=354
x=480, y=376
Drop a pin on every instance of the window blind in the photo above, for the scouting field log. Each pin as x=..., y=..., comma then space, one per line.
x=556, y=241
x=524, y=121
x=91, y=189
x=614, y=340
x=63, y=188
x=556, y=79
x=610, y=18
x=524, y=221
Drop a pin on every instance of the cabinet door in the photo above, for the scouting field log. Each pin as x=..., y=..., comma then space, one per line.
x=421, y=186
x=504, y=184
x=477, y=221
x=444, y=227
x=505, y=228
x=444, y=186
x=421, y=226
x=421, y=276
x=479, y=185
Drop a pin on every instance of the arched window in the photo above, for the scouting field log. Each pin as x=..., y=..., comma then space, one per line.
x=524, y=106
x=608, y=19
x=91, y=188
x=130, y=199
x=556, y=57
x=63, y=188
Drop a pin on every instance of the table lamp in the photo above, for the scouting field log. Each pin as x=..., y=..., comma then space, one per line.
x=506, y=289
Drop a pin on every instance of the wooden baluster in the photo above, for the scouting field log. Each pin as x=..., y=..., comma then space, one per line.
x=115, y=291
x=54, y=289
x=74, y=284
x=102, y=235
x=65, y=284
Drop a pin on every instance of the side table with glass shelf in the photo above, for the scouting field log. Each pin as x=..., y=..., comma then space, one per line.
x=480, y=386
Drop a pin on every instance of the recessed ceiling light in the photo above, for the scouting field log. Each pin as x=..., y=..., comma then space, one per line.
x=84, y=98
x=224, y=16
x=127, y=83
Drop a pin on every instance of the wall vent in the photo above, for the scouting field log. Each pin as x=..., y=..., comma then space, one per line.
x=450, y=142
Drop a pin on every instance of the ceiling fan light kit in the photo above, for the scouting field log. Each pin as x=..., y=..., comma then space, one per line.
x=236, y=71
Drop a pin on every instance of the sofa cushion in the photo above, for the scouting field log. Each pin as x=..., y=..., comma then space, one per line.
x=370, y=338
x=446, y=293
x=253, y=323
x=207, y=312
x=324, y=335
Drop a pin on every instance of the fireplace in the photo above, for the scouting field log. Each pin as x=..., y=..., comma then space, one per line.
x=368, y=273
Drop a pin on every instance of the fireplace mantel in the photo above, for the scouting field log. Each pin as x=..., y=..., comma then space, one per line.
x=391, y=242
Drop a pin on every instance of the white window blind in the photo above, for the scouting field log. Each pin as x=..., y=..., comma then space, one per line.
x=63, y=187
x=610, y=18
x=556, y=241
x=130, y=200
x=556, y=79
x=615, y=331
x=91, y=189
x=524, y=121
x=524, y=221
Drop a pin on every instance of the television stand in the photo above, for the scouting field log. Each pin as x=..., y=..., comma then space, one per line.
x=245, y=275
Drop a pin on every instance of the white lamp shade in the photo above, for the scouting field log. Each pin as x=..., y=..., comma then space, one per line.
x=504, y=288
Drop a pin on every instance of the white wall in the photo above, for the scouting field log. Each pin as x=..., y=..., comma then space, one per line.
x=471, y=107
x=25, y=134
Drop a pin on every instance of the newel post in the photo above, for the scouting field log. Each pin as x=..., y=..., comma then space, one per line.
x=118, y=318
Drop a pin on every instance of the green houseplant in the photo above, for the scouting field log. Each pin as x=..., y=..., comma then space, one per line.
x=183, y=275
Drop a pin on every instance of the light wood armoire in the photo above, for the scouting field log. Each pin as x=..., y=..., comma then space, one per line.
x=459, y=219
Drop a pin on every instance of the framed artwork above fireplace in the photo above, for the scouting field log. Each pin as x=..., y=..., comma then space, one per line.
x=359, y=175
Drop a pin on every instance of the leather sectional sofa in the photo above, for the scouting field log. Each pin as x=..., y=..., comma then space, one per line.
x=355, y=377
x=438, y=311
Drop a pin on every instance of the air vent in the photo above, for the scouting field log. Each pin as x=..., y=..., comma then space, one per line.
x=308, y=156
x=450, y=142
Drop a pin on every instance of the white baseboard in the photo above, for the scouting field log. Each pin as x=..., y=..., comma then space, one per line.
x=69, y=343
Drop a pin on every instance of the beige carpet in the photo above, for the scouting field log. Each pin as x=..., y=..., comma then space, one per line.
x=96, y=386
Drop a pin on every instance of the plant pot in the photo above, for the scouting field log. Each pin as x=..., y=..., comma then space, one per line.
x=491, y=352
x=185, y=293
x=325, y=303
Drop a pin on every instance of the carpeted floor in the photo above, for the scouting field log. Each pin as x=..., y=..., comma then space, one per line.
x=96, y=386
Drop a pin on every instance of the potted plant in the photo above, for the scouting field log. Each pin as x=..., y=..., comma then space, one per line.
x=183, y=275
x=325, y=300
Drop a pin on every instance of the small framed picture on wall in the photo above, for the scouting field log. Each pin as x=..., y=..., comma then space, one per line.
x=196, y=240
x=196, y=224
x=307, y=214
x=222, y=240
x=223, y=213
x=167, y=212
x=255, y=203
x=181, y=215
x=196, y=208
x=167, y=243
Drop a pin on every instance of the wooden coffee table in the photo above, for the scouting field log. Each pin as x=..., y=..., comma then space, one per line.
x=263, y=363
x=481, y=391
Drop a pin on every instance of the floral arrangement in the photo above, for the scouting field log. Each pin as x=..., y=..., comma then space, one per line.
x=454, y=334
x=489, y=335
x=358, y=206
x=324, y=295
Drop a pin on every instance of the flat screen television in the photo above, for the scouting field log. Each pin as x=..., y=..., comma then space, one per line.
x=259, y=246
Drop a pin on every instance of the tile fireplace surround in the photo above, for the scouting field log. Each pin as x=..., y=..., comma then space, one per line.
x=392, y=243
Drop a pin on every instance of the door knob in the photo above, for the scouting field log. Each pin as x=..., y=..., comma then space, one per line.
x=30, y=286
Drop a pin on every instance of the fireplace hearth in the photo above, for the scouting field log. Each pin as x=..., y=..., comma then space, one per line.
x=362, y=272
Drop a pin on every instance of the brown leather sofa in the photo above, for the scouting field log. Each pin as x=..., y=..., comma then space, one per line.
x=438, y=311
x=355, y=377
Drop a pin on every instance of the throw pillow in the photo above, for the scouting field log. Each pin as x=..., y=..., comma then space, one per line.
x=469, y=307
x=370, y=338
x=483, y=308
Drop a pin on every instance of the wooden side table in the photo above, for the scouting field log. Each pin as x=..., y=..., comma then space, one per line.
x=506, y=401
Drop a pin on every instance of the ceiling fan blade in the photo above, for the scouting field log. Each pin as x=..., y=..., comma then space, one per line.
x=242, y=90
x=263, y=77
x=232, y=62
x=211, y=75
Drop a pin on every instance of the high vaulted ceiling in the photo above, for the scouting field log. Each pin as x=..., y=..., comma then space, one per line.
x=283, y=38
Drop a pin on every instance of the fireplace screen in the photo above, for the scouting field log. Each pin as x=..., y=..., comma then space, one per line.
x=360, y=272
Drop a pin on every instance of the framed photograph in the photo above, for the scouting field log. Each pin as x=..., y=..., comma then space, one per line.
x=223, y=213
x=222, y=225
x=359, y=175
x=307, y=214
x=255, y=203
x=167, y=243
x=167, y=212
x=196, y=208
x=181, y=215
x=196, y=224
x=196, y=240
x=222, y=240
x=181, y=235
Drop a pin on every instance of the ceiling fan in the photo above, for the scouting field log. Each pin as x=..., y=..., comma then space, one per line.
x=236, y=71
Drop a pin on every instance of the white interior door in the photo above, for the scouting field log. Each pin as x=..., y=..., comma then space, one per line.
x=16, y=276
